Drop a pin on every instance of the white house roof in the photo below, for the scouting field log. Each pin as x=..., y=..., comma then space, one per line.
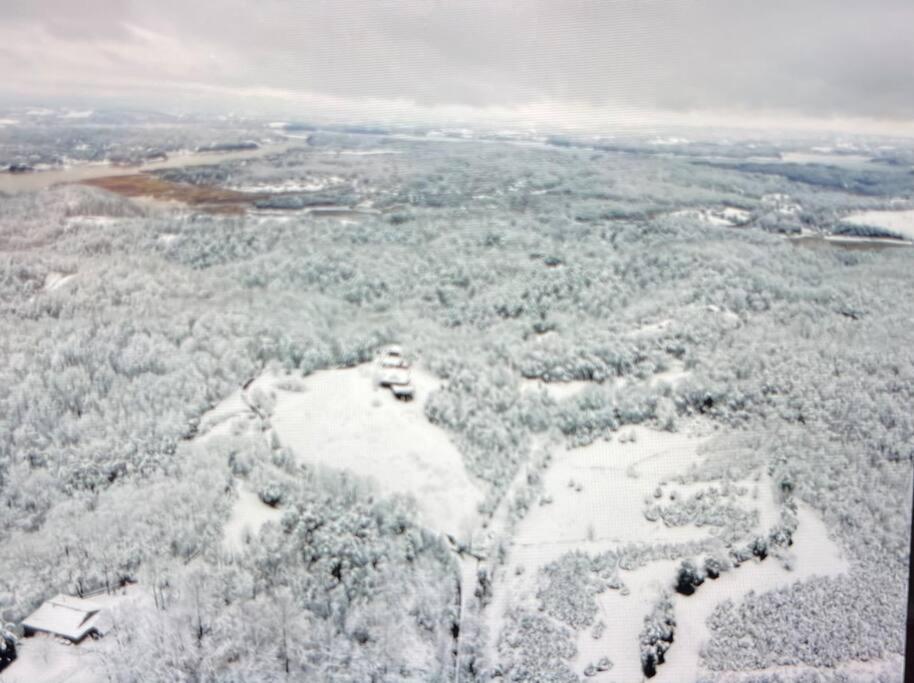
x=394, y=376
x=66, y=616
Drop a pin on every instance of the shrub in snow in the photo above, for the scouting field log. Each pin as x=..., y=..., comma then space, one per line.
x=532, y=647
x=759, y=547
x=597, y=631
x=7, y=648
x=271, y=494
x=666, y=414
x=715, y=565
x=569, y=586
x=708, y=507
x=688, y=578
x=657, y=635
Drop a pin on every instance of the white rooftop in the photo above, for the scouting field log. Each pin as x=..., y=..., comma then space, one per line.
x=394, y=376
x=67, y=616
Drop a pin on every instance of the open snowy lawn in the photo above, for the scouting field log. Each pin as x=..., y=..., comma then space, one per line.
x=614, y=479
x=727, y=216
x=249, y=513
x=44, y=659
x=342, y=419
x=827, y=159
x=814, y=554
x=901, y=222
x=598, y=495
x=672, y=375
x=220, y=418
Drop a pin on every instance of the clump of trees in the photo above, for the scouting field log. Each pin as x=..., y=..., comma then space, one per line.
x=7, y=648
x=657, y=635
x=533, y=647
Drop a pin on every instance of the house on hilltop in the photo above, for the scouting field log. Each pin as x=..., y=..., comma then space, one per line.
x=67, y=617
x=394, y=373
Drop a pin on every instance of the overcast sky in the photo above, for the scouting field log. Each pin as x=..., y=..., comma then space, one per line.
x=570, y=61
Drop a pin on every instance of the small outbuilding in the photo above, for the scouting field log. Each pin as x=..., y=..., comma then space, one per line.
x=394, y=374
x=67, y=617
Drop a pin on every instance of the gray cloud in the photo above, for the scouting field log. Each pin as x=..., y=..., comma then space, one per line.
x=814, y=58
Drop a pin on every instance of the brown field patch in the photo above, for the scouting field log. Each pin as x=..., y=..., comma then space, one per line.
x=206, y=198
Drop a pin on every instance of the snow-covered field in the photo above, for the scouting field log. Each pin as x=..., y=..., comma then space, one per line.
x=846, y=160
x=344, y=420
x=595, y=497
x=248, y=514
x=726, y=216
x=901, y=222
x=309, y=185
x=341, y=419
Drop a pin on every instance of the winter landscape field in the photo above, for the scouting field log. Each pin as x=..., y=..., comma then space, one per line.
x=656, y=416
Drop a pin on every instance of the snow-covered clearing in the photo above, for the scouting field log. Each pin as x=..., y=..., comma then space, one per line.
x=851, y=240
x=814, y=554
x=901, y=222
x=595, y=497
x=220, y=418
x=874, y=670
x=827, y=159
x=309, y=185
x=56, y=280
x=726, y=216
x=343, y=420
x=651, y=329
x=248, y=514
x=51, y=660
x=672, y=375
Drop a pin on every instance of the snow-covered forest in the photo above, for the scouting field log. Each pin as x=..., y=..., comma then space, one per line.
x=662, y=425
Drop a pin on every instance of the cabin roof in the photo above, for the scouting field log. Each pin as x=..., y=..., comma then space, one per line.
x=64, y=615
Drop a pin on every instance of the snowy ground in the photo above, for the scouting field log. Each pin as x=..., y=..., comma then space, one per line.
x=844, y=160
x=249, y=513
x=343, y=420
x=46, y=659
x=597, y=498
x=310, y=185
x=726, y=216
x=901, y=222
